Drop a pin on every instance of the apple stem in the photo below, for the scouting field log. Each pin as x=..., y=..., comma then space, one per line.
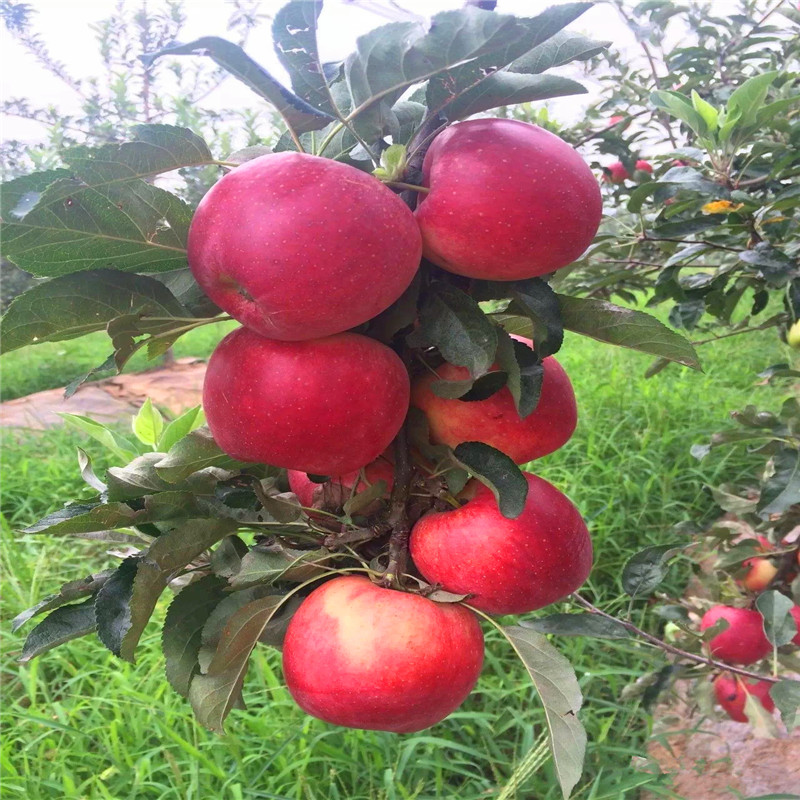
x=654, y=640
x=412, y=186
x=398, y=512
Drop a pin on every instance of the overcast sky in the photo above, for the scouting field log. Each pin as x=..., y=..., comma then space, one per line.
x=65, y=27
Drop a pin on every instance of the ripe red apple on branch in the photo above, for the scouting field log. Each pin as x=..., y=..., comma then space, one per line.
x=342, y=486
x=495, y=420
x=297, y=247
x=507, y=201
x=508, y=566
x=743, y=642
x=618, y=172
x=731, y=692
x=365, y=657
x=326, y=406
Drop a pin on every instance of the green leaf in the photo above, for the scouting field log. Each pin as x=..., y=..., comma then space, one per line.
x=469, y=389
x=148, y=424
x=267, y=564
x=298, y=115
x=140, y=477
x=625, y=327
x=679, y=106
x=112, y=605
x=706, y=111
x=62, y=625
x=497, y=471
x=453, y=322
x=779, y=624
x=87, y=472
x=536, y=300
x=746, y=101
x=509, y=88
x=583, y=624
x=183, y=626
x=169, y=554
x=181, y=426
x=524, y=369
x=155, y=149
x=646, y=569
x=393, y=57
x=128, y=224
x=559, y=49
x=226, y=560
x=214, y=694
x=555, y=681
x=294, y=34
x=786, y=694
x=66, y=594
x=120, y=446
x=782, y=490
x=20, y=195
x=195, y=451
x=80, y=303
x=84, y=519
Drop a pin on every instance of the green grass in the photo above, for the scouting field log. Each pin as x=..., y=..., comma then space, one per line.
x=81, y=724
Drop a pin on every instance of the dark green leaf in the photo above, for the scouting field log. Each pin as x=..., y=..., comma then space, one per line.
x=779, y=624
x=294, y=33
x=366, y=498
x=536, y=300
x=579, y=625
x=66, y=594
x=782, y=490
x=625, y=327
x=647, y=568
x=226, y=560
x=509, y=88
x=773, y=265
x=20, y=195
x=497, y=471
x=786, y=695
x=62, y=625
x=469, y=389
x=453, y=322
x=183, y=626
x=168, y=554
x=85, y=518
x=214, y=694
x=558, y=689
x=525, y=372
x=112, y=605
x=271, y=563
x=561, y=48
x=130, y=225
x=299, y=115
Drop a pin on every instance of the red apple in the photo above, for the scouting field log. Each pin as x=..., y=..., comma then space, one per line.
x=509, y=566
x=342, y=485
x=298, y=247
x=365, y=657
x=731, y=693
x=743, y=642
x=644, y=166
x=615, y=120
x=795, y=612
x=326, y=406
x=495, y=421
x=616, y=173
x=507, y=201
x=760, y=572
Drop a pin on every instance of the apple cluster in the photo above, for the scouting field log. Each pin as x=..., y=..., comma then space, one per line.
x=744, y=642
x=301, y=250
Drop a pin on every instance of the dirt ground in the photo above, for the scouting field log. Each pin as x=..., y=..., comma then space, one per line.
x=710, y=759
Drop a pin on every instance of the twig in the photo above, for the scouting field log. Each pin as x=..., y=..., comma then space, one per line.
x=770, y=323
x=398, y=513
x=654, y=640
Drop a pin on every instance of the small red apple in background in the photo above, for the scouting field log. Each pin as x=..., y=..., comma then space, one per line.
x=760, y=572
x=365, y=657
x=616, y=119
x=325, y=406
x=509, y=566
x=615, y=173
x=342, y=485
x=795, y=612
x=644, y=166
x=731, y=693
x=507, y=201
x=743, y=642
x=495, y=421
x=297, y=247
